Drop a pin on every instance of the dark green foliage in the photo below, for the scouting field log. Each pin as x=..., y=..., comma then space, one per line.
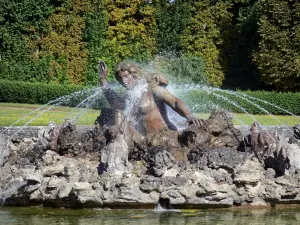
x=255, y=43
x=204, y=36
x=33, y=93
x=26, y=70
x=22, y=26
x=172, y=18
x=204, y=100
x=187, y=69
x=95, y=34
x=278, y=55
x=241, y=72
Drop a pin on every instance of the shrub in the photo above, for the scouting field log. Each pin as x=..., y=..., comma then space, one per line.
x=33, y=93
x=199, y=99
x=252, y=102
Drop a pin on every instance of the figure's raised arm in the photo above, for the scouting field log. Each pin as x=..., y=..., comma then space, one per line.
x=111, y=96
x=102, y=74
x=175, y=103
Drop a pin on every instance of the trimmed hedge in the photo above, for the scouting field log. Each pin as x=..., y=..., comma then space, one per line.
x=252, y=102
x=33, y=93
x=198, y=99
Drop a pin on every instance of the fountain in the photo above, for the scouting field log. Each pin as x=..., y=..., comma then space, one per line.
x=118, y=163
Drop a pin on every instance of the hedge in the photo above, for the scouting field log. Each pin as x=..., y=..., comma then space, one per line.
x=199, y=99
x=33, y=93
x=41, y=93
x=252, y=102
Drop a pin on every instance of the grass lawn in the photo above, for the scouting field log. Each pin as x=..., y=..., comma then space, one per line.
x=267, y=120
x=10, y=113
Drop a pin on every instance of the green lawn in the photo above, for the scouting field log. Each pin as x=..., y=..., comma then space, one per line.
x=241, y=119
x=10, y=113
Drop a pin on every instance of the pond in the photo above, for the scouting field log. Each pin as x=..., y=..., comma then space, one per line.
x=48, y=216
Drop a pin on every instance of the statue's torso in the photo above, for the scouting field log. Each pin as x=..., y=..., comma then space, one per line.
x=153, y=113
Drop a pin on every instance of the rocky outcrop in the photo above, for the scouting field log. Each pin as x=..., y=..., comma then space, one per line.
x=64, y=167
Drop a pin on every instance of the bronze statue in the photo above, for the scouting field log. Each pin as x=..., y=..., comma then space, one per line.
x=152, y=106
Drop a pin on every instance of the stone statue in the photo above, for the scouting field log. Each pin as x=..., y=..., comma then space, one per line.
x=154, y=127
x=152, y=106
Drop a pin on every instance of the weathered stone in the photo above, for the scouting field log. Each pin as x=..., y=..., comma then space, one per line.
x=65, y=190
x=55, y=169
x=226, y=159
x=114, y=158
x=34, y=177
x=170, y=173
x=249, y=172
x=215, y=176
x=56, y=182
x=81, y=185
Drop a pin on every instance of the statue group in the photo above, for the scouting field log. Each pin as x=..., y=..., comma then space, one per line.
x=138, y=156
x=151, y=120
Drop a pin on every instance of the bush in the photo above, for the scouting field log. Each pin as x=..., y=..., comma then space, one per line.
x=199, y=99
x=33, y=93
x=252, y=102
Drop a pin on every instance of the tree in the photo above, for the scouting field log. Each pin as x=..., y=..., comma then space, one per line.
x=95, y=36
x=131, y=31
x=203, y=35
x=22, y=26
x=64, y=41
x=241, y=72
x=172, y=18
x=278, y=54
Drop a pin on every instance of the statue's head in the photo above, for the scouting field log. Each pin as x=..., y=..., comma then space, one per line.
x=127, y=73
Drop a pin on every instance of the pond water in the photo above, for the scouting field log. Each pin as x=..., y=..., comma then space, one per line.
x=47, y=216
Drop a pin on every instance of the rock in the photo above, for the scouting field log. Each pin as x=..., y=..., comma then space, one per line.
x=226, y=159
x=56, y=182
x=4, y=150
x=249, y=172
x=81, y=186
x=149, y=184
x=293, y=155
x=217, y=131
x=163, y=161
x=63, y=172
x=33, y=177
x=170, y=173
x=73, y=142
x=65, y=190
x=114, y=158
x=28, y=141
x=54, y=169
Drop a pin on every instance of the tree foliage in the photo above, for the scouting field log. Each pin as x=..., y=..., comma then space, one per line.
x=252, y=42
x=186, y=69
x=95, y=36
x=172, y=18
x=22, y=25
x=64, y=41
x=203, y=35
x=131, y=31
x=241, y=72
x=278, y=55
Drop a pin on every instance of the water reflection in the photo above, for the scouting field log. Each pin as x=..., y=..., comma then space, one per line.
x=43, y=216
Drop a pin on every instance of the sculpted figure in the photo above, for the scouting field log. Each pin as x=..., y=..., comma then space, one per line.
x=150, y=125
x=263, y=143
x=152, y=106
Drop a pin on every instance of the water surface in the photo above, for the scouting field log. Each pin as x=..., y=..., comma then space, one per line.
x=47, y=216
